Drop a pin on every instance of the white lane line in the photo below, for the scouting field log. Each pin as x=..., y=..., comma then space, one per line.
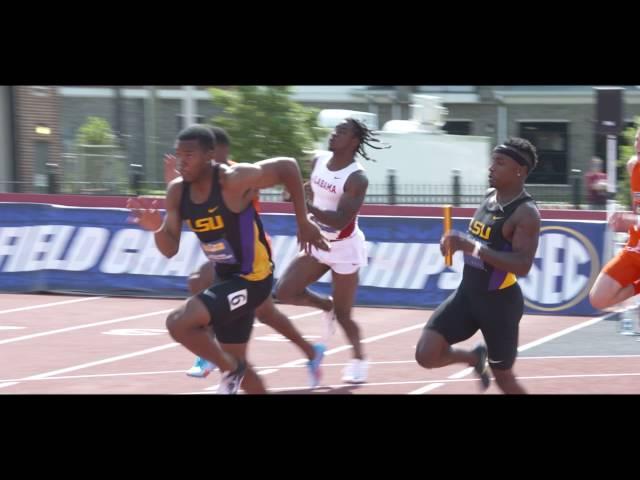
x=555, y=357
x=118, y=357
x=527, y=346
x=303, y=361
x=307, y=314
x=101, y=362
x=461, y=373
x=347, y=347
x=97, y=375
x=85, y=325
x=266, y=368
x=426, y=388
x=53, y=304
x=553, y=336
x=430, y=384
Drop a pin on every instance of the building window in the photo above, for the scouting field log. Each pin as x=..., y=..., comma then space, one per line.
x=551, y=142
x=457, y=127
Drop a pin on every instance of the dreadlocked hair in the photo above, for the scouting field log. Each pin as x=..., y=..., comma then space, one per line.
x=367, y=137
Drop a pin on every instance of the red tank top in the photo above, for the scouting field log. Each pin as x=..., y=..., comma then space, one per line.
x=634, y=182
x=635, y=188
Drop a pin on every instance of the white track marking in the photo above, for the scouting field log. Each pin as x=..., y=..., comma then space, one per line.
x=101, y=362
x=110, y=359
x=261, y=370
x=433, y=384
x=535, y=343
x=426, y=389
x=303, y=361
x=85, y=325
x=553, y=336
x=53, y=304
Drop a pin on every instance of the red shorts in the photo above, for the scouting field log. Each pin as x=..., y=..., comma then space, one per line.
x=624, y=267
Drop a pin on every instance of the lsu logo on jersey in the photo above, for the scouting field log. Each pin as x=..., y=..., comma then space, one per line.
x=479, y=229
x=206, y=224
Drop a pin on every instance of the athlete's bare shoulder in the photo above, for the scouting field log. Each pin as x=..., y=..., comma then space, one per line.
x=357, y=179
x=528, y=211
x=174, y=192
x=175, y=185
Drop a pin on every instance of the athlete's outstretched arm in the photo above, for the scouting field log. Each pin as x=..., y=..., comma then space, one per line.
x=167, y=231
x=246, y=179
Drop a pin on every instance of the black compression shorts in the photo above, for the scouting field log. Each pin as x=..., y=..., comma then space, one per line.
x=232, y=304
x=495, y=313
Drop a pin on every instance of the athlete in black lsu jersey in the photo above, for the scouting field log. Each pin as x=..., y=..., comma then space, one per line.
x=267, y=312
x=216, y=203
x=500, y=244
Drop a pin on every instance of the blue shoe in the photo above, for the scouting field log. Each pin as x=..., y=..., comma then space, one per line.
x=315, y=374
x=201, y=368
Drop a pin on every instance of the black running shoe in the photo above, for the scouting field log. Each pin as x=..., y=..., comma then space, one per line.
x=482, y=367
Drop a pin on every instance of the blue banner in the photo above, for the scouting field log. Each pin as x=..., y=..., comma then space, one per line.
x=95, y=251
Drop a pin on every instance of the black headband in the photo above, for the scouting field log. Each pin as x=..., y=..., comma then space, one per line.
x=513, y=153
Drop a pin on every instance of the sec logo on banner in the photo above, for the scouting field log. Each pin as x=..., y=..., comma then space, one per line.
x=564, y=269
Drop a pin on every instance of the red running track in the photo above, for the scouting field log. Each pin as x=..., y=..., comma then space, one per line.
x=54, y=344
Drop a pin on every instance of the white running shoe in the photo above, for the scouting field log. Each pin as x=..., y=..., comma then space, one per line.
x=230, y=381
x=356, y=371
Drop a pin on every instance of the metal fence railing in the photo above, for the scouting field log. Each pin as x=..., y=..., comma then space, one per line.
x=424, y=194
x=549, y=196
